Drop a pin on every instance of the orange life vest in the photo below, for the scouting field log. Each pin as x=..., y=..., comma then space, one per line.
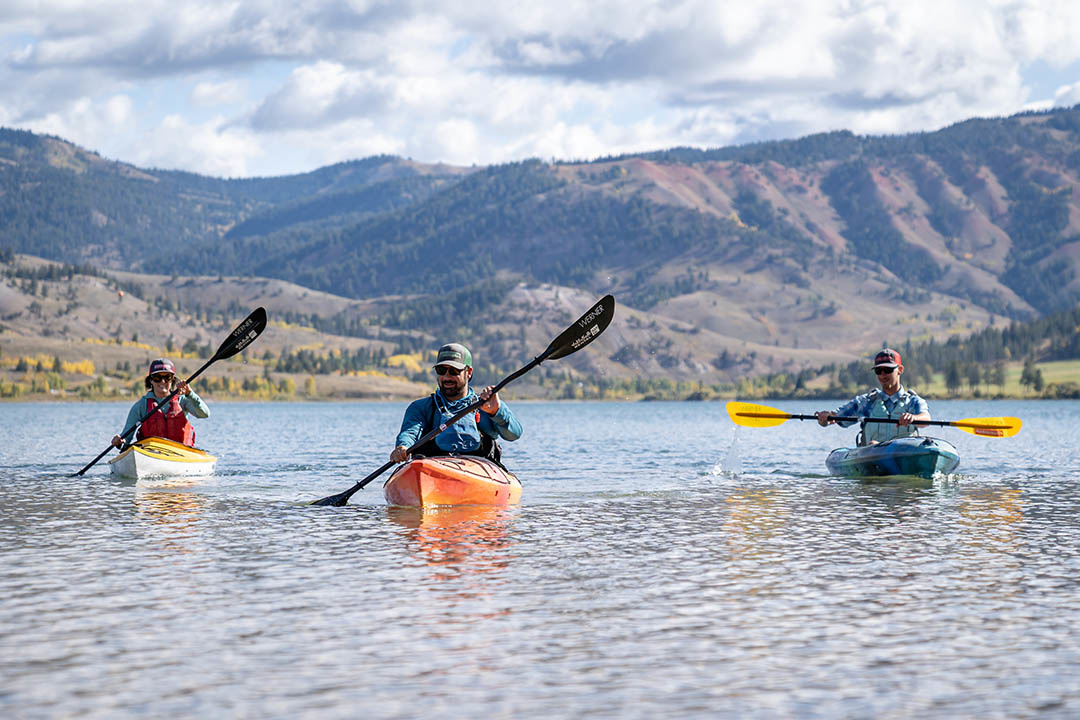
x=172, y=425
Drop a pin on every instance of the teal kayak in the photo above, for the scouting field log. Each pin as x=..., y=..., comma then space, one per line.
x=919, y=456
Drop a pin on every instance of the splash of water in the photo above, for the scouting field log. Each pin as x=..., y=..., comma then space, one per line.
x=732, y=463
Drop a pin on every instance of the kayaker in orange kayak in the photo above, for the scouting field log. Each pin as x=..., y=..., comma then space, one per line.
x=476, y=434
x=171, y=420
x=893, y=400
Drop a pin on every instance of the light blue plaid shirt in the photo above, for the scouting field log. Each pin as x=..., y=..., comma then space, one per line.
x=859, y=406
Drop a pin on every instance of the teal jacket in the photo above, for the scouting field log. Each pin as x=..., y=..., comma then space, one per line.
x=429, y=412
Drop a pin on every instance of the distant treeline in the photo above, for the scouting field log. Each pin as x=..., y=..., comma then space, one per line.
x=343, y=206
x=978, y=358
x=455, y=308
x=308, y=361
x=63, y=272
x=51, y=272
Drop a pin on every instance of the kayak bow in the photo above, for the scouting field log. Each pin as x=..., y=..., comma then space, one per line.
x=452, y=480
x=918, y=456
x=159, y=457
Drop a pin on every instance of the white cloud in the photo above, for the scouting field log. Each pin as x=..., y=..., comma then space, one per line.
x=93, y=125
x=210, y=148
x=461, y=138
x=461, y=81
x=1041, y=30
x=210, y=94
x=308, y=149
x=323, y=94
x=1067, y=95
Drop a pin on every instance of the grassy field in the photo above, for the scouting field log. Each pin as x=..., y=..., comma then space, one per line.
x=1054, y=373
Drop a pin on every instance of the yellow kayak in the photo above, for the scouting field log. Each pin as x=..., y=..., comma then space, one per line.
x=158, y=457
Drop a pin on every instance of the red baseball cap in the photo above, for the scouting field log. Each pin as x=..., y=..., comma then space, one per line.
x=161, y=365
x=887, y=358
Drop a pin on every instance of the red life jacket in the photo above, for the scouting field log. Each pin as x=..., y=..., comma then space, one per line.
x=172, y=425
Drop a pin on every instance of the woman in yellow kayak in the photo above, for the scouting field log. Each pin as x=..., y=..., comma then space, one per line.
x=891, y=401
x=170, y=421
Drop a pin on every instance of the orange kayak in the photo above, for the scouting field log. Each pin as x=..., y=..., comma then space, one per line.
x=455, y=480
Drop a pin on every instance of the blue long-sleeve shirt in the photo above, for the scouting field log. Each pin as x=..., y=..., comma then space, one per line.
x=429, y=412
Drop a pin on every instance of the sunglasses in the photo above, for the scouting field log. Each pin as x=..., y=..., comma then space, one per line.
x=883, y=371
x=442, y=370
x=161, y=378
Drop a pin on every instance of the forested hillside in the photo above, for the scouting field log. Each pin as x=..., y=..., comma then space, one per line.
x=728, y=261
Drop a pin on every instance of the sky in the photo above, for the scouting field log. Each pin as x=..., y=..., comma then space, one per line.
x=274, y=87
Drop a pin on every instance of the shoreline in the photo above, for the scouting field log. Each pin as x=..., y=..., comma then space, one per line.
x=39, y=398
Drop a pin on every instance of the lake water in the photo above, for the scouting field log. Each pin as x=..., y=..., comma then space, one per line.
x=662, y=563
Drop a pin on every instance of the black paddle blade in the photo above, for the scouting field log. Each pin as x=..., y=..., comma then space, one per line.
x=244, y=334
x=334, y=500
x=343, y=498
x=587, y=328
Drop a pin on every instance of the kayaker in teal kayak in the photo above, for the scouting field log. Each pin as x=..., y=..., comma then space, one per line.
x=170, y=421
x=892, y=400
x=476, y=434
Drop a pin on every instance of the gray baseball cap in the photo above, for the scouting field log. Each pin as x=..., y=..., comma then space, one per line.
x=454, y=355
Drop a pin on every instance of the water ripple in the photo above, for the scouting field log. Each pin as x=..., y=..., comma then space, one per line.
x=646, y=574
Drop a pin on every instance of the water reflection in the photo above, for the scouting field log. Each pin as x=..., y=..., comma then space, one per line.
x=457, y=541
x=754, y=517
x=636, y=582
x=467, y=550
x=896, y=497
x=170, y=504
x=992, y=518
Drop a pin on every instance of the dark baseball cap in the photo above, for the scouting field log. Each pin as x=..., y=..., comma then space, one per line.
x=161, y=365
x=454, y=355
x=887, y=358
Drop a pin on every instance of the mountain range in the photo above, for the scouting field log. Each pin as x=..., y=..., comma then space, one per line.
x=725, y=262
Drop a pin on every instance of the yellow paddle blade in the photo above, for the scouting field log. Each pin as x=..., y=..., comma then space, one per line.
x=750, y=415
x=989, y=427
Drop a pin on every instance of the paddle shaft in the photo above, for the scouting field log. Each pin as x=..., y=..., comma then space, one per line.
x=789, y=416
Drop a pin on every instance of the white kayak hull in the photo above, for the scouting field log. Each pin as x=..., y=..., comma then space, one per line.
x=158, y=457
